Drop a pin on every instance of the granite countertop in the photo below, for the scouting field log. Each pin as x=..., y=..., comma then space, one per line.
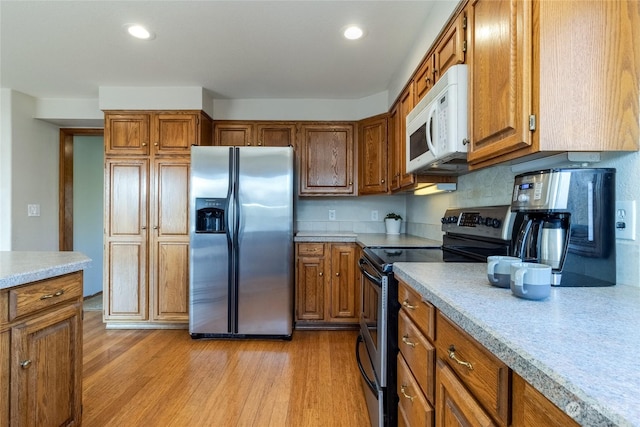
x=18, y=268
x=367, y=239
x=578, y=347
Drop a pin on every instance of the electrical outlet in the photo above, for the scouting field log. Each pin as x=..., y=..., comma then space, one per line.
x=33, y=210
x=626, y=220
x=332, y=214
x=374, y=215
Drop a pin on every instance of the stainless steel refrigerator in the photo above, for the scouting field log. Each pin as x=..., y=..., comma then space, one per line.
x=241, y=227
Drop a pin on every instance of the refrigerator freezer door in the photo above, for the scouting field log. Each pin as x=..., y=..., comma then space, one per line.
x=265, y=241
x=209, y=267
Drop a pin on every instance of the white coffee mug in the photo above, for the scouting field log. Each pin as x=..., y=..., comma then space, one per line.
x=499, y=269
x=530, y=280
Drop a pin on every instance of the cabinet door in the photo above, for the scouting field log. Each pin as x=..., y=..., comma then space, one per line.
x=500, y=77
x=450, y=49
x=372, y=152
x=5, y=370
x=532, y=409
x=395, y=150
x=455, y=406
x=126, y=221
x=424, y=79
x=327, y=160
x=406, y=105
x=174, y=133
x=46, y=369
x=232, y=134
x=276, y=134
x=127, y=134
x=344, y=285
x=169, y=275
x=310, y=285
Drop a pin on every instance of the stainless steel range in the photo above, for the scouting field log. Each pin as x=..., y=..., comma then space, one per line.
x=470, y=235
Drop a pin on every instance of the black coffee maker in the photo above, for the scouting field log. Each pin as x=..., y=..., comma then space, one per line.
x=565, y=219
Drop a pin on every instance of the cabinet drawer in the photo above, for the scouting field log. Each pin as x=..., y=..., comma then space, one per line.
x=412, y=403
x=418, y=353
x=310, y=249
x=421, y=312
x=480, y=371
x=29, y=299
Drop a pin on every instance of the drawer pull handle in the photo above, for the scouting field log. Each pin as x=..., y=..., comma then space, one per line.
x=405, y=339
x=57, y=294
x=452, y=355
x=25, y=364
x=404, y=393
x=406, y=304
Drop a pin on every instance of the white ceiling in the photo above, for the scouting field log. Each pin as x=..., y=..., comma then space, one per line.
x=234, y=49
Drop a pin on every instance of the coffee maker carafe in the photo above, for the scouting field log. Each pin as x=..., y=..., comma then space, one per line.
x=565, y=219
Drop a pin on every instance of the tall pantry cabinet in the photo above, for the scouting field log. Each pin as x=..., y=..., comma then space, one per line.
x=146, y=234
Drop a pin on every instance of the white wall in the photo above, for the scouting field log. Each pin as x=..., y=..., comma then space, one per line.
x=32, y=177
x=5, y=170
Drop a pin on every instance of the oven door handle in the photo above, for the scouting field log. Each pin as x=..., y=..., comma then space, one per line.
x=370, y=383
x=371, y=277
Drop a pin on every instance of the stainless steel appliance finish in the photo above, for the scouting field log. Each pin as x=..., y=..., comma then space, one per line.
x=565, y=218
x=471, y=234
x=241, y=235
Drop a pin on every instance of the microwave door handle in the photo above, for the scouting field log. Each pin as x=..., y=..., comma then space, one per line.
x=431, y=123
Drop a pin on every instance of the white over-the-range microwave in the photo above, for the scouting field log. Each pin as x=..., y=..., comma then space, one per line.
x=437, y=126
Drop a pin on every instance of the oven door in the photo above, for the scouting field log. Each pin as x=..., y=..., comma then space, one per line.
x=374, y=317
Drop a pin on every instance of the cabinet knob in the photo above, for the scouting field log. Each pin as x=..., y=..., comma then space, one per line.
x=144, y=144
x=156, y=144
x=337, y=274
x=320, y=273
x=259, y=143
x=466, y=141
x=25, y=364
x=350, y=183
x=382, y=181
x=144, y=227
x=155, y=227
x=248, y=144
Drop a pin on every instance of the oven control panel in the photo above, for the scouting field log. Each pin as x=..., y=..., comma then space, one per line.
x=491, y=222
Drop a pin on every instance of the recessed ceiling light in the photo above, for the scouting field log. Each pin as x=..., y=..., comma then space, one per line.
x=353, y=32
x=139, y=32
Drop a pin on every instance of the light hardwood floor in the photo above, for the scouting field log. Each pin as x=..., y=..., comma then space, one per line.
x=164, y=378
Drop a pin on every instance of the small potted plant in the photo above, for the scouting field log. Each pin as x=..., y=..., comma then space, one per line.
x=392, y=223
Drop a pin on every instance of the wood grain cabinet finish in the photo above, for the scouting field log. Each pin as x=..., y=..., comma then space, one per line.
x=532, y=409
x=41, y=353
x=372, y=155
x=147, y=221
x=413, y=408
x=479, y=371
x=327, y=289
x=255, y=133
x=143, y=133
x=552, y=77
x=326, y=160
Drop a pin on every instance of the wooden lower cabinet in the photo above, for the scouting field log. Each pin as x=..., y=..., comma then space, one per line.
x=327, y=289
x=146, y=241
x=41, y=353
x=531, y=409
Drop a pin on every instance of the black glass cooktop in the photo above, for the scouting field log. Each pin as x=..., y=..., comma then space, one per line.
x=387, y=256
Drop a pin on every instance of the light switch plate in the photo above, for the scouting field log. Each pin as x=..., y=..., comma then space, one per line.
x=626, y=220
x=374, y=215
x=33, y=210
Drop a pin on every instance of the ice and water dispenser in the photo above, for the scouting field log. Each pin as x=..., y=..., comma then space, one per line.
x=210, y=215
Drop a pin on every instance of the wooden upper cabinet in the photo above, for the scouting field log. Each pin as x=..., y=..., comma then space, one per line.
x=327, y=160
x=500, y=79
x=127, y=134
x=276, y=134
x=254, y=133
x=174, y=133
x=406, y=105
x=155, y=132
x=373, y=158
x=424, y=78
x=231, y=134
x=552, y=77
x=451, y=48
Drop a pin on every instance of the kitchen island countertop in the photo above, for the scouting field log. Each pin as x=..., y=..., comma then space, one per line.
x=367, y=239
x=21, y=267
x=578, y=347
